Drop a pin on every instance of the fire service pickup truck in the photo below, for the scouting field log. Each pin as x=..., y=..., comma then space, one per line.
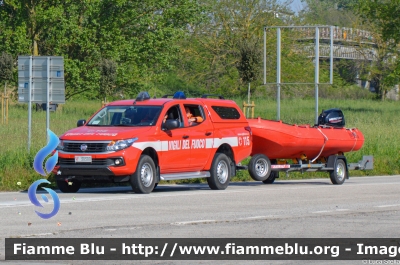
x=146, y=140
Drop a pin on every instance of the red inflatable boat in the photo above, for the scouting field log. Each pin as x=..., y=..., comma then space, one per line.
x=278, y=140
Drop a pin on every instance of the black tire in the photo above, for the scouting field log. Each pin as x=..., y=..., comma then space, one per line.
x=220, y=172
x=339, y=174
x=69, y=186
x=144, y=179
x=259, y=167
x=155, y=186
x=272, y=177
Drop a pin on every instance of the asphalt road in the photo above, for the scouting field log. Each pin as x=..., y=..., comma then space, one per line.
x=363, y=207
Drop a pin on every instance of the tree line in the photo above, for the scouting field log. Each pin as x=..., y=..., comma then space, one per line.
x=116, y=48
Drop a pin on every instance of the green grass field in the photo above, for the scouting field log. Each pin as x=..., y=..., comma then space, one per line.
x=377, y=120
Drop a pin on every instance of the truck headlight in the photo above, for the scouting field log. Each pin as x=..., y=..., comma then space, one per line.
x=60, y=145
x=120, y=144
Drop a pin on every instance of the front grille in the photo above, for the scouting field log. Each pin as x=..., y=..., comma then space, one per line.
x=91, y=147
x=71, y=161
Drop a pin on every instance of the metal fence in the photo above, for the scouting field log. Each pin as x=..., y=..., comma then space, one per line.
x=339, y=34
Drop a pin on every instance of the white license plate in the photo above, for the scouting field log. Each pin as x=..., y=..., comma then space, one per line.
x=83, y=159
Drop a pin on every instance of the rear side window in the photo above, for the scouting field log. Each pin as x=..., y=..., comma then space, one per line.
x=227, y=113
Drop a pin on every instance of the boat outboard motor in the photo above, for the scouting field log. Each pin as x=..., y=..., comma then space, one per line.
x=332, y=117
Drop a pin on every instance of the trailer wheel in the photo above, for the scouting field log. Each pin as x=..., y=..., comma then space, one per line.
x=339, y=174
x=272, y=177
x=260, y=167
x=144, y=179
x=68, y=186
x=155, y=186
x=220, y=172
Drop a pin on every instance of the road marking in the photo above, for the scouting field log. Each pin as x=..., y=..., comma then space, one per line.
x=200, y=190
x=220, y=221
x=43, y=234
x=331, y=211
x=322, y=212
x=194, y=222
x=15, y=205
x=34, y=235
x=256, y=217
x=78, y=199
x=384, y=206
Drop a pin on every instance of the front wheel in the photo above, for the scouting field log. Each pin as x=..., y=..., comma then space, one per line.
x=220, y=172
x=259, y=167
x=69, y=186
x=144, y=178
x=339, y=174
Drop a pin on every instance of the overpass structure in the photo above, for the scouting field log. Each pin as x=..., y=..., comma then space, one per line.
x=325, y=43
x=348, y=43
x=321, y=42
x=345, y=52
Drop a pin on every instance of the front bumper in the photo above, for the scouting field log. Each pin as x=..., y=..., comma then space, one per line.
x=83, y=170
x=102, y=165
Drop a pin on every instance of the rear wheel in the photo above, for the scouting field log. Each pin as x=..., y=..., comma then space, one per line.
x=339, y=174
x=272, y=177
x=143, y=180
x=220, y=172
x=260, y=167
x=69, y=186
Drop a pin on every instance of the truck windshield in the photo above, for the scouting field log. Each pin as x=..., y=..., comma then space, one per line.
x=126, y=116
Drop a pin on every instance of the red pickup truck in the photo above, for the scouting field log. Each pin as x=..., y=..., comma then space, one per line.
x=146, y=140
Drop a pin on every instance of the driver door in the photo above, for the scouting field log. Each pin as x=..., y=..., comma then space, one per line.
x=175, y=156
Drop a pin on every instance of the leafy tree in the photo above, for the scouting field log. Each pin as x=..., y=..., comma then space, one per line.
x=6, y=68
x=139, y=36
x=384, y=14
x=382, y=71
x=13, y=29
x=108, y=71
x=328, y=12
x=249, y=62
x=224, y=51
x=381, y=18
x=49, y=28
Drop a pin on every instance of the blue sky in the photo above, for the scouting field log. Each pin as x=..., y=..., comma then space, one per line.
x=297, y=5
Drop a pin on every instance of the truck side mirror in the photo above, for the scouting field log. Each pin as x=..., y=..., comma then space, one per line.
x=171, y=124
x=80, y=123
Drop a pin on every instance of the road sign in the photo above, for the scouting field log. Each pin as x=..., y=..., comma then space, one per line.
x=42, y=75
x=40, y=80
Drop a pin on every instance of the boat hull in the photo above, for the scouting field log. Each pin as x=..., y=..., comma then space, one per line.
x=278, y=140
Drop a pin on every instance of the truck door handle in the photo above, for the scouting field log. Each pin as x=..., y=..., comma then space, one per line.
x=208, y=133
x=185, y=136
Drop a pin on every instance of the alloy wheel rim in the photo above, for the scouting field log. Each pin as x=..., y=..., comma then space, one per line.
x=222, y=172
x=340, y=172
x=146, y=175
x=261, y=167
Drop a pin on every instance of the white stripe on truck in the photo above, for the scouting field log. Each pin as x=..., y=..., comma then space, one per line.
x=164, y=146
